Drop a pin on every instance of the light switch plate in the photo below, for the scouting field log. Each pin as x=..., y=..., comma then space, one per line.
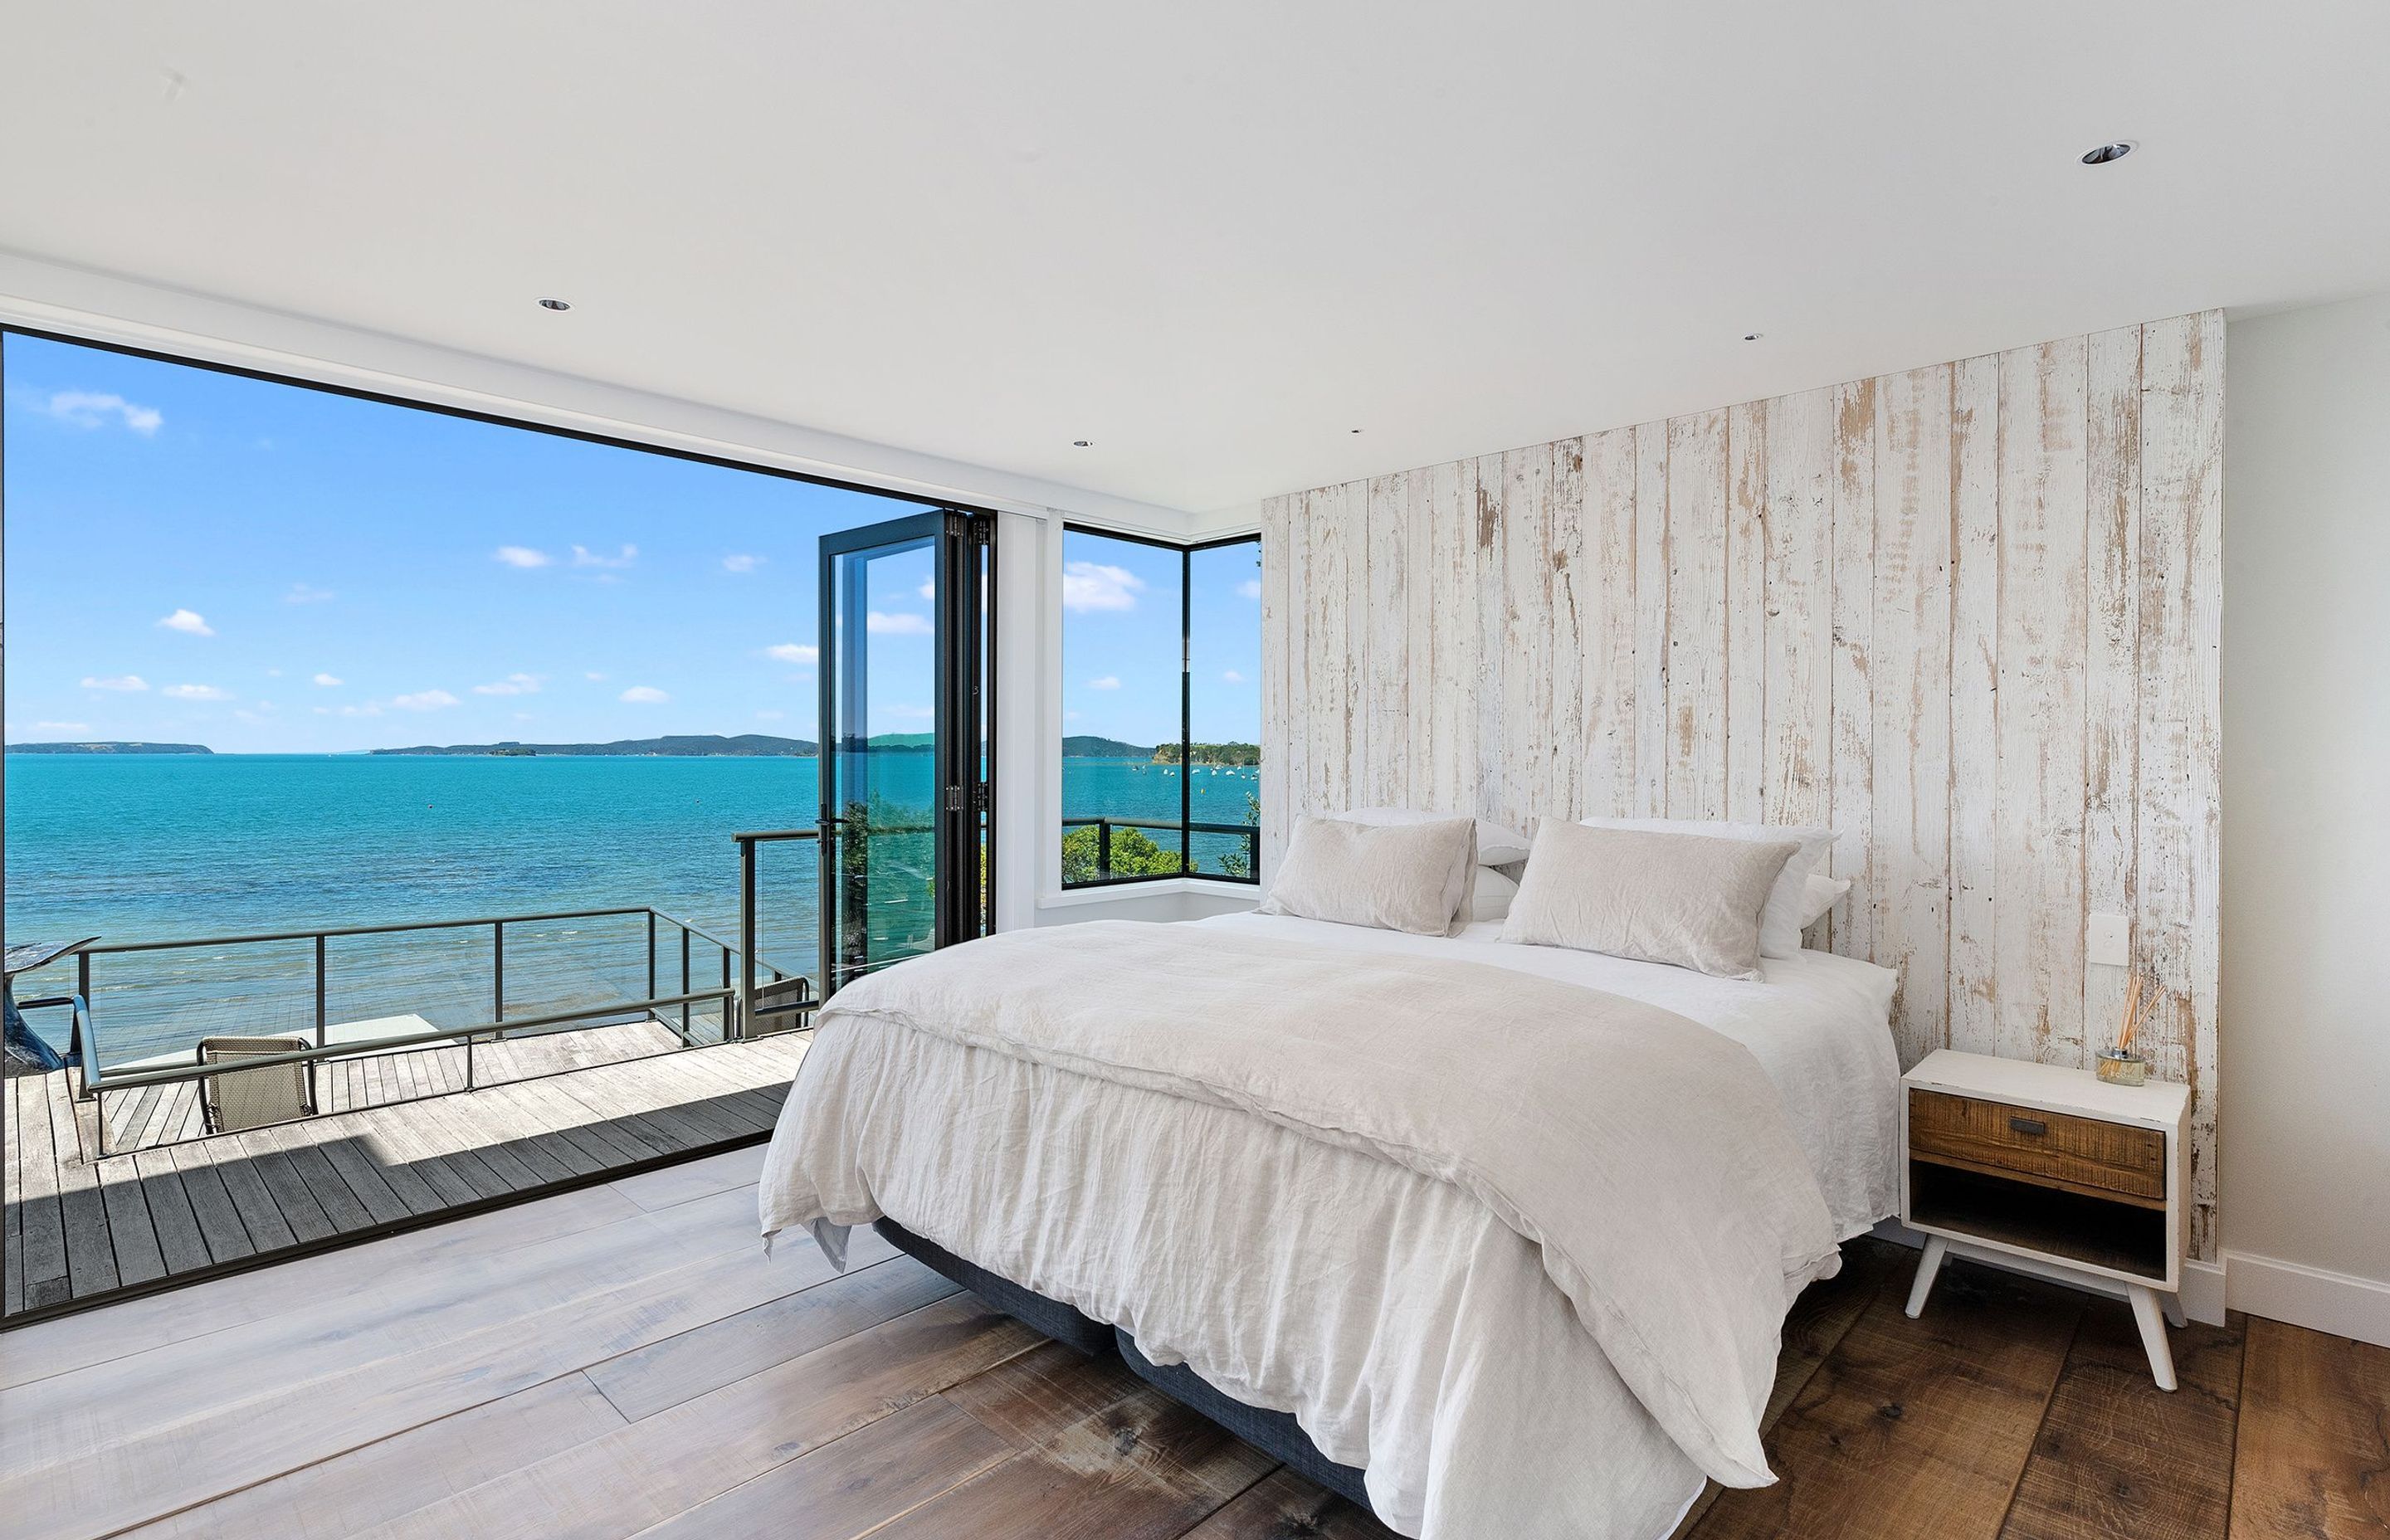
x=2108, y=940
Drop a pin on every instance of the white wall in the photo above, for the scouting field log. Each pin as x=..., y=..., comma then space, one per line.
x=2306, y=1135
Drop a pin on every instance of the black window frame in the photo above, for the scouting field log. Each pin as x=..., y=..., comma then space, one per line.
x=1187, y=551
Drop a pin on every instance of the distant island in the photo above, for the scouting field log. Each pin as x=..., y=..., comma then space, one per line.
x=1211, y=754
x=1083, y=746
x=110, y=748
x=682, y=746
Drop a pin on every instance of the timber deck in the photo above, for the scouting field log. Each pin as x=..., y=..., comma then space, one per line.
x=169, y=1206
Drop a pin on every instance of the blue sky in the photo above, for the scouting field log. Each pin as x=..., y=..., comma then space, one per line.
x=198, y=556
x=1119, y=641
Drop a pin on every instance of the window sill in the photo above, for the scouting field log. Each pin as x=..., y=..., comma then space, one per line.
x=1219, y=887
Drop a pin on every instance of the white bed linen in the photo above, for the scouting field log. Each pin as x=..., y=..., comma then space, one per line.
x=1407, y=1328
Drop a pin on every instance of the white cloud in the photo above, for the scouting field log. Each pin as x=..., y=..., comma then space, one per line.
x=91, y=408
x=117, y=682
x=929, y=589
x=881, y=622
x=424, y=700
x=195, y=692
x=1108, y=682
x=584, y=557
x=371, y=708
x=523, y=555
x=645, y=695
x=327, y=681
x=769, y=715
x=1230, y=676
x=1094, y=586
x=741, y=563
x=513, y=684
x=600, y=678
x=62, y=727
x=1250, y=588
x=794, y=652
x=188, y=621
x=307, y=592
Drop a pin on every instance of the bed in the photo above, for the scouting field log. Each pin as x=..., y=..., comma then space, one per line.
x=1506, y=1232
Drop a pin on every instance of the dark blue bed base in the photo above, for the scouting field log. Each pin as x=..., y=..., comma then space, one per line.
x=1275, y=1433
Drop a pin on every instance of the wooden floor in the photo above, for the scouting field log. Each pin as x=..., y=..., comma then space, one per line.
x=619, y=1360
x=79, y=1227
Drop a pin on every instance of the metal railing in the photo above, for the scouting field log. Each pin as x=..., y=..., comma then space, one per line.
x=774, y=999
x=1105, y=822
x=740, y=1001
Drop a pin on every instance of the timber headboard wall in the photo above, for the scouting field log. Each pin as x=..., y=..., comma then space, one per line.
x=1968, y=615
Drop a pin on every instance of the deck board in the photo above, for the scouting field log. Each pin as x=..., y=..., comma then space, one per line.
x=171, y=1201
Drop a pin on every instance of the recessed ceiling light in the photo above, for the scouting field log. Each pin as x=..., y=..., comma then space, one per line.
x=555, y=304
x=2101, y=155
x=1357, y=430
x=1751, y=337
x=1083, y=443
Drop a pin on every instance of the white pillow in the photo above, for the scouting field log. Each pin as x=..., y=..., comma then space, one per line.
x=1779, y=926
x=1496, y=846
x=1413, y=877
x=1821, y=895
x=1652, y=895
x=1491, y=898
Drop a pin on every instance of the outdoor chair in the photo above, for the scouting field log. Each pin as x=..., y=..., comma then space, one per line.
x=250, y=1099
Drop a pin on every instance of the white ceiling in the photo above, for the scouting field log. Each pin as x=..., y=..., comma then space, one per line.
x=1213, y=238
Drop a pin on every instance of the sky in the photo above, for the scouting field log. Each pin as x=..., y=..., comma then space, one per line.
x=198, y=556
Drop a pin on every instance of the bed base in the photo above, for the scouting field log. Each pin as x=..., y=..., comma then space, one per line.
x=1275, y=1433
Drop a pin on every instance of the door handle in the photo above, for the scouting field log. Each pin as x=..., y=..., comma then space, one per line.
x=2031, y=1127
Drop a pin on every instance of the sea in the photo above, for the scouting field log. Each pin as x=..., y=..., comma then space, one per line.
x=147, y=847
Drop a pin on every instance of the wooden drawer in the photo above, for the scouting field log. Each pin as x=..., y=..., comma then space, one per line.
x=2082, y=1155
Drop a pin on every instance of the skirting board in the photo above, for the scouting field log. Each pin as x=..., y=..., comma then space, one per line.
x=2203, y=1293
x=2334, y=1302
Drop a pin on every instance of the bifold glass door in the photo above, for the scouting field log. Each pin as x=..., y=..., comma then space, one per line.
x=907, y=802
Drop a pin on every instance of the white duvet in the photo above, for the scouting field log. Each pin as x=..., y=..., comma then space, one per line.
x=1520, y=1249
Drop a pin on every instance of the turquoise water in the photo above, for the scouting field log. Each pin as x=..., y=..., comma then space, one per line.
x=141, y=848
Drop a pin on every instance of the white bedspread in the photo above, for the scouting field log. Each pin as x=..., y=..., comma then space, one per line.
x=1520, y=1249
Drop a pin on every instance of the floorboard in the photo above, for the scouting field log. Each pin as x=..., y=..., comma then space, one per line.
x=2314, y=1456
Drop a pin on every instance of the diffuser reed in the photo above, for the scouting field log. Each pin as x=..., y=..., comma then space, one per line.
x=2120, y=1065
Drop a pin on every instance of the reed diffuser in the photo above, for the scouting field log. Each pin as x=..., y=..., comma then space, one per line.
x=2120, y=1065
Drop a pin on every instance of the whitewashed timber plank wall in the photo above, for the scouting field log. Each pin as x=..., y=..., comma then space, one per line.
x=1968, y=615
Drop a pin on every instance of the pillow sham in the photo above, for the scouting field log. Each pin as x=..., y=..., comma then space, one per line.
x=1821, y=895
x=1691, y=900
x=1491, y=898
x=1496, y=846
x=1413, y=877
x=1779, y=928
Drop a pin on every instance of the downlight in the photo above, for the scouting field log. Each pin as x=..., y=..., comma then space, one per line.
x=2103, y=154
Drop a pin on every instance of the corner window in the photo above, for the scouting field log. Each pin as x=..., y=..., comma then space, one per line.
x=1161, y=709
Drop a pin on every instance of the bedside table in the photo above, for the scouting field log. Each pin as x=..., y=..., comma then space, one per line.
x=2052, y=1166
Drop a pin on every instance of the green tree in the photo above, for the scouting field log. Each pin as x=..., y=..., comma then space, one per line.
x=1133, y=854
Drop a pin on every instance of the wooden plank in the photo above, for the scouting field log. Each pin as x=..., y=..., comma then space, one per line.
x=1032, y=1398
x=219, y=1214
x=2111, y=653
x=2178, y=855
x=1282, y=1506
x=664, y=1374
x=1454, y=720
x=1330, y=702
x=1298, y=668
x=1608, y=783
x=1488, y=777
x=683, y=1180
x=1353, y=525
x=1909, y=677
x=1973, y=991
x=1800, y=620
x=1420, y=639
x=1852, y=797
x=1279, y=649
x=852, y=1486
x=1744, y=714
x=347, y=1143
x=1570, y=587
x=1914, y=1428
x=2313, y=1456
x=1147, y=1469
x=676, y=1459
x=1526, y=598
x=1651, y=627
x=1697, y=558
x=394, y=1476
x=140, y=1257
x=42, y=1238
x=1386, y=748
x=299, y=1207
x=180, y=1240
x=2116, y=1455
x=324, y=1180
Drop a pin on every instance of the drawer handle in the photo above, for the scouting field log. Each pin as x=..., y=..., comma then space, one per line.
x=2032, y=1127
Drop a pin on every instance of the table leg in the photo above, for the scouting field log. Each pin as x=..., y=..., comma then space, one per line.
x=2174, y=1311
x=2152, y=1319
x=1928, y=1266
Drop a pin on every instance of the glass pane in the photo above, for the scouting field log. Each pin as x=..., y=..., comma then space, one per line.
x=1224, y=649
x=1121, y=788
x=884, y=769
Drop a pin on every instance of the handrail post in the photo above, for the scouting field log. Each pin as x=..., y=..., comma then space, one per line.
x=684, y=984
x=84, y=1046
x=1103, y=847
x=498, y=970
x=652, y=954
x=728, y=1004
x=746, y=933
x=319, y=992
